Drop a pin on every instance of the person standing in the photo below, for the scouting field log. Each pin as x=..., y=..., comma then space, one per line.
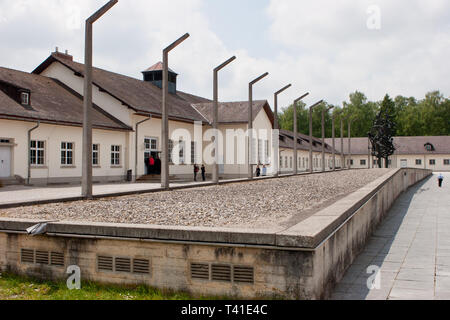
x=151, y=162
x=195, y=172
x=258, y=171
x=157, y=165
x=440, y=180
x=203, y=172
x=264, y=171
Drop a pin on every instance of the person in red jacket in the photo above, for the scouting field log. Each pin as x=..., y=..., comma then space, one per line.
x=151, y=162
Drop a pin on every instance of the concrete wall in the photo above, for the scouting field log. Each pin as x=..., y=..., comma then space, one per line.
x=302, y=262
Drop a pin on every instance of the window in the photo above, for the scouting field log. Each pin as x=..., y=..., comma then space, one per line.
x=25, y=98
x=286, y=162
x=418, y=162
x=66, y=153
x=362, y=162
x=375, y=162
x=193, y=150
x=95, y=154
x=446, y=162
x=182, y=146
x=260, y=151
x=432, y=162
x=37, y=152
x=267, y=152
x=170, y=151
x=115, y=155
x=290, y=162
x=281, y=162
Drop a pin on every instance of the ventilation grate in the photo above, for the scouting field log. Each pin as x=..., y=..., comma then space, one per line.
x=57, y=259
x=105, y=263
x=200, y=271
x=243, y=274
x=221, y=272
x=42, y=257
x=123, y=265
x=141, y=266
x=27, y=256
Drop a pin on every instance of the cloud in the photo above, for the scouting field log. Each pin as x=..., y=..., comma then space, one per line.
x=323, y=47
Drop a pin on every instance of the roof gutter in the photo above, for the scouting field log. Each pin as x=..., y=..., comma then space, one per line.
x=136, y=145
x=29, y=151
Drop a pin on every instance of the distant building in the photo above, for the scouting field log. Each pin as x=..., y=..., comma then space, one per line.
x=412, y=152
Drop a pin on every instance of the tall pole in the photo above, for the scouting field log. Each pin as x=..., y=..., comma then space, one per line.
x=216, y=117
x=250, y=123
x=342, y=144
x=165, y=183
x=295, y=130
x=311, y=165
x=276, y=135
x=86, y=177
x=323, y=137
x=349, y=144
x=334, y=142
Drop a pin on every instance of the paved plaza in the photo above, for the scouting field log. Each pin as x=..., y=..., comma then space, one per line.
x=411, y=247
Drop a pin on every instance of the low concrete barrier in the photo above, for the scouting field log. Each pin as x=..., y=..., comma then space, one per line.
x=301, y=262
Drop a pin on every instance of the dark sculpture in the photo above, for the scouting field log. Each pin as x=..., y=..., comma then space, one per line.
x=381, y=135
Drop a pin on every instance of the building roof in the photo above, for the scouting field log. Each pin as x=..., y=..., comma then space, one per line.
x=287, y=142
x=233, y=112
x=50, y=102
x=403, y=145
x=158, y=67
x=141, y=96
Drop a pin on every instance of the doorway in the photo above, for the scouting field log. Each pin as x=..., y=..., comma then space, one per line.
x=151, y=146
x=5, y=161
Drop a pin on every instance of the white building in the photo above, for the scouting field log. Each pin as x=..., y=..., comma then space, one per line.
x=47, y=105
x=412, y=152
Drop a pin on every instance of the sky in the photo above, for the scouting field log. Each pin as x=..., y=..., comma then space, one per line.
x=328, y=48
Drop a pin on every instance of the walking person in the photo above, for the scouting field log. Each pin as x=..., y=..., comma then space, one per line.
x=440, y=180
x=195, y=172
x=203, y=172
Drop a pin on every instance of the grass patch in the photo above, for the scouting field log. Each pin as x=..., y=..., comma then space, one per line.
x=14, y=287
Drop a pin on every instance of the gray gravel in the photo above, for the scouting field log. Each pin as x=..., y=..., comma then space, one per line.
x=268, y=203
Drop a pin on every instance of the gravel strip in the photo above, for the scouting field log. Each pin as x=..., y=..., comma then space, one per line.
x=258, y=204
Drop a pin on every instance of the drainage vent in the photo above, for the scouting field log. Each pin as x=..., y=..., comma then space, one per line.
x=123, y=265
x=141, y=266
x=27, y=256
x=243, y=274
x=200, y=271
x=221, y=272
x=57, y=259
x=42, y=257
x=105, y=263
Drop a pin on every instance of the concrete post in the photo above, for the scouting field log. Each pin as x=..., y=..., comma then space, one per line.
x=250, y=123
x=342, y=144
x=349, y=144
x=311, y=165
x=86, y=178
x=295, y=131
x=333, y=133
x=276, y=155
x=165, y=183
x=215, y=172
x=323, y=137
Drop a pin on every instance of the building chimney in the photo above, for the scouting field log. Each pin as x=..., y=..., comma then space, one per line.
x=61, y=55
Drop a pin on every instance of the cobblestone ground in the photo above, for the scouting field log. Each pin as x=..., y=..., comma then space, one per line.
x=259, y=204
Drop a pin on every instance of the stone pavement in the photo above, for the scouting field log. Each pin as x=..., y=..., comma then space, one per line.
x=411, y=248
